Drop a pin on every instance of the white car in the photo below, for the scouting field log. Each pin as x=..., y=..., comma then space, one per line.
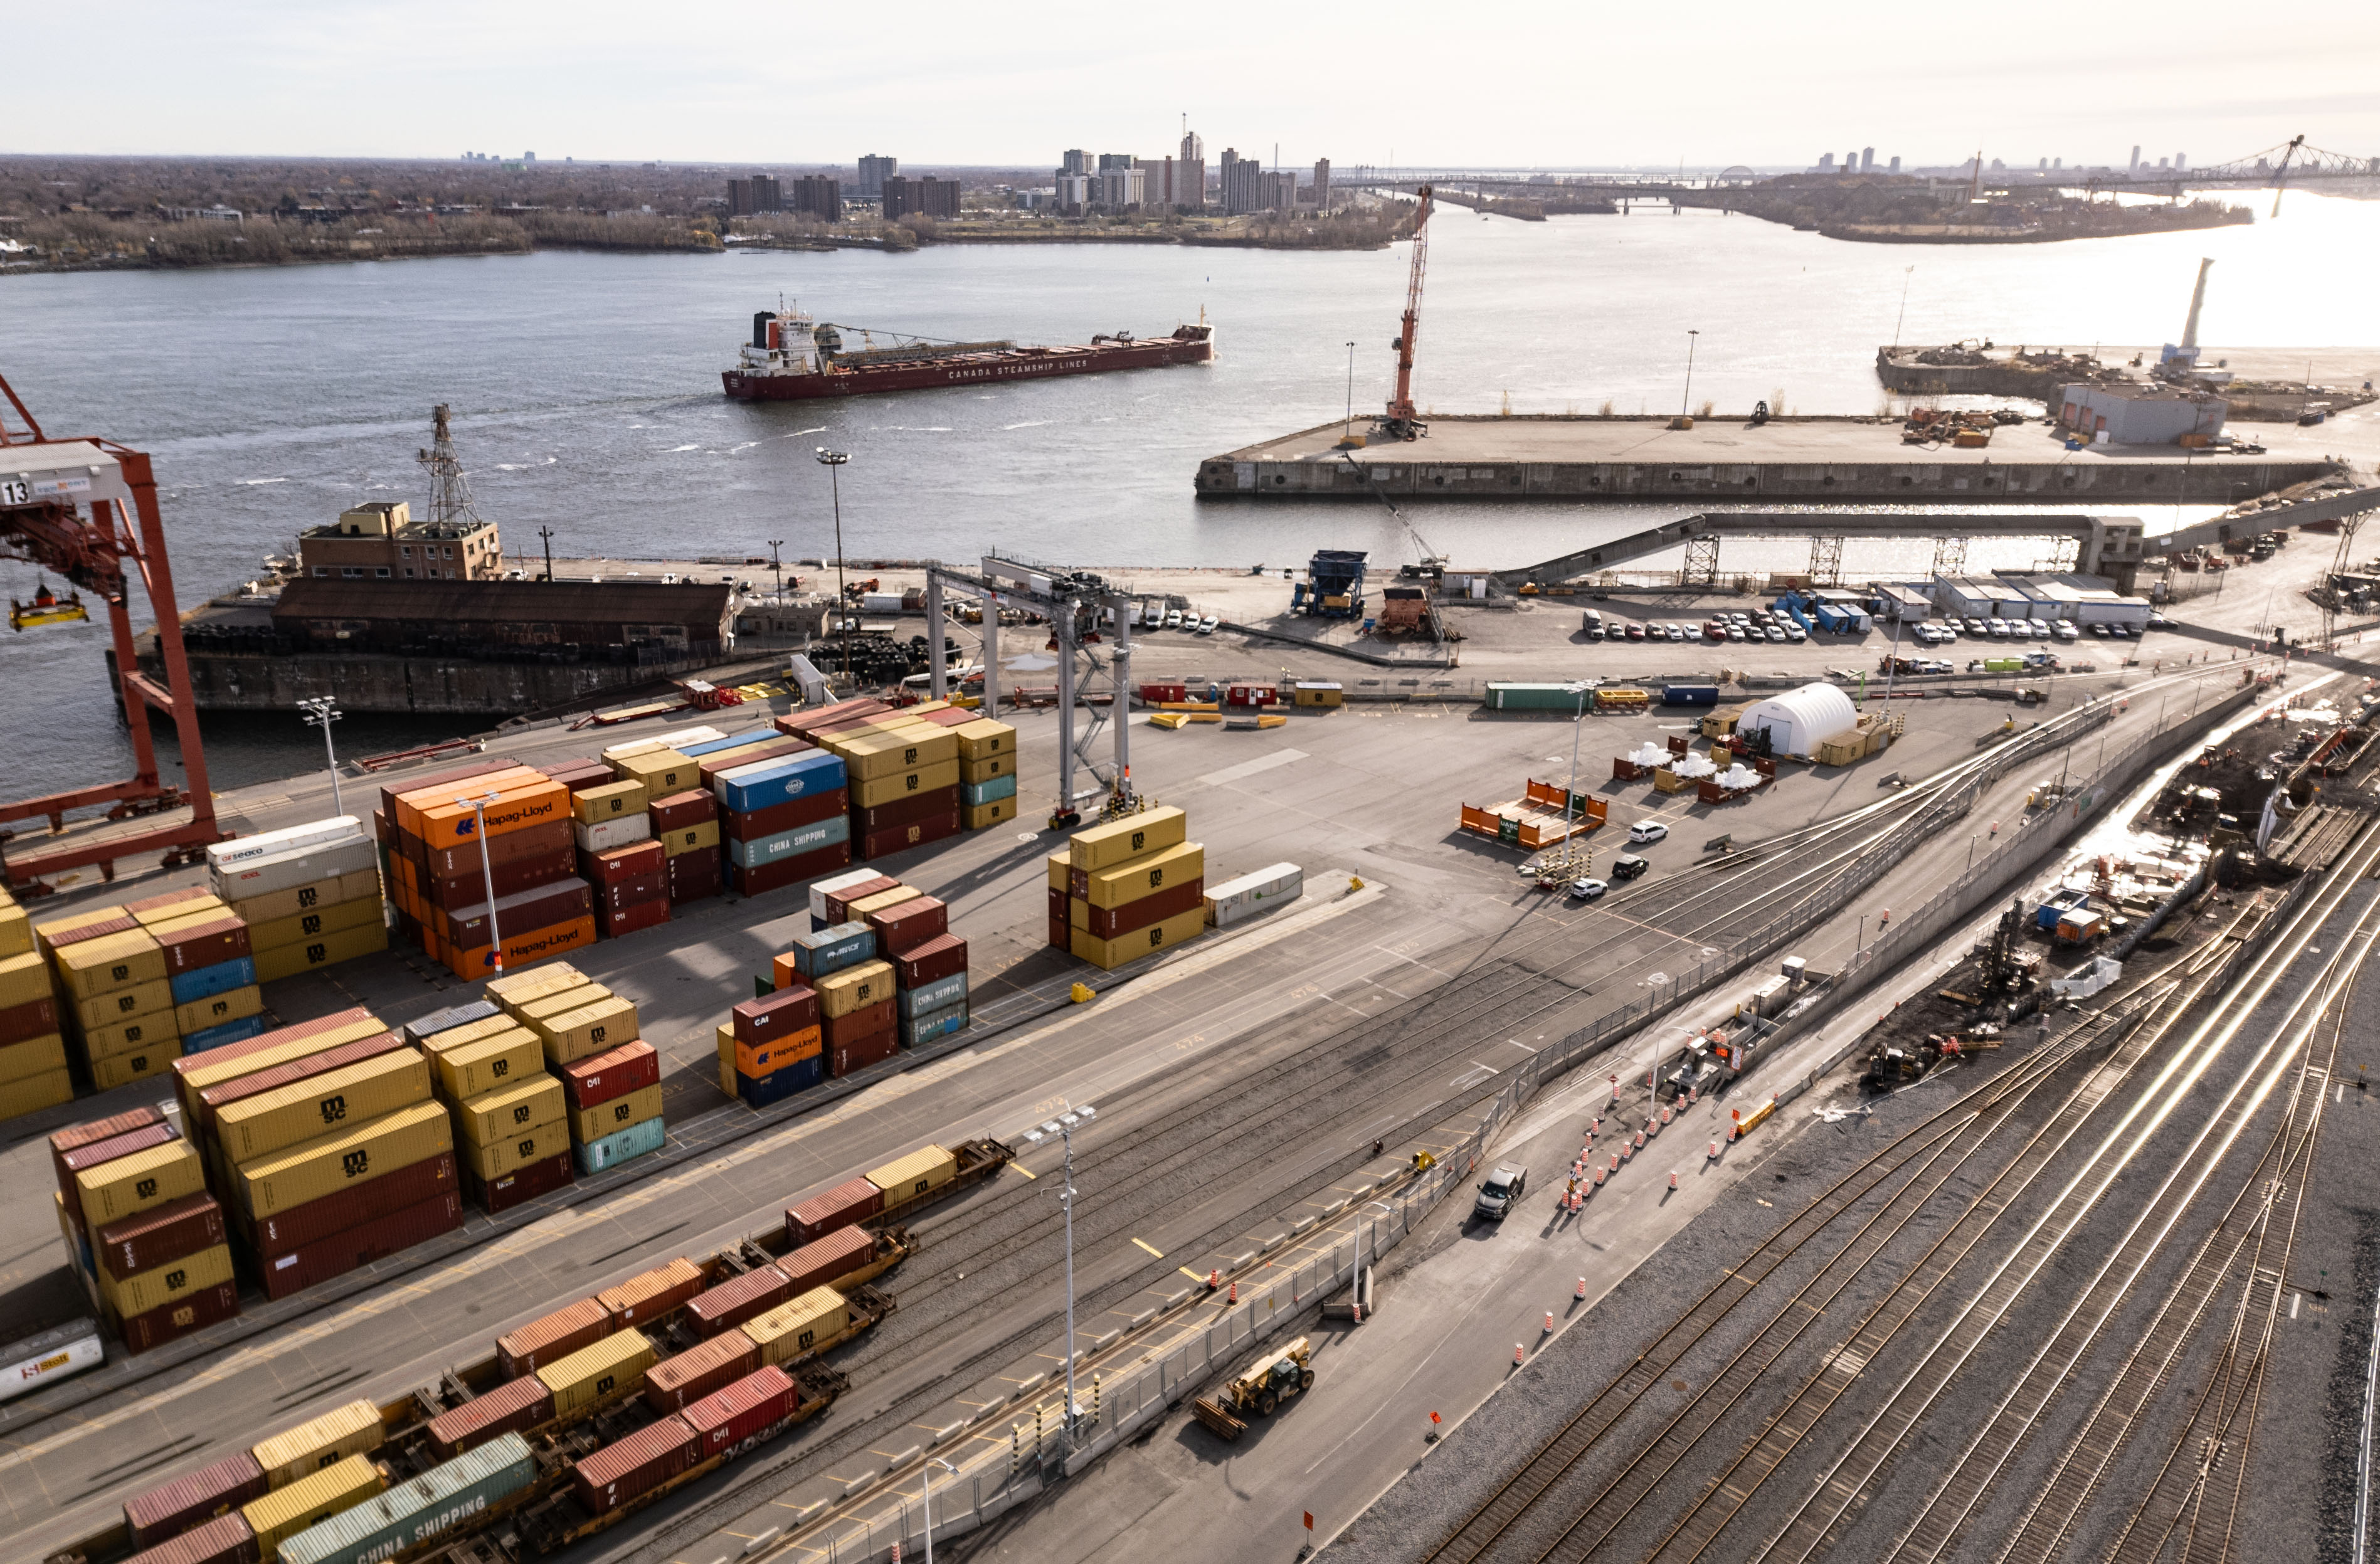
x=1206, y=626
x=2040, y=628
x=1586, y=890
x=2067, y=632
x=1173, y=619
x=1646, y=830
x=1795, y=633
x=1977, y=627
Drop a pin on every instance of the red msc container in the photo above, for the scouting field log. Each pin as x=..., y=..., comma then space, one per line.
x=644, y=915
x=521, y=1186
x=635, y=1466
x=1112, y=923
x=939, y=957
x=413, y=1184
x=556, y=1335
x=597, y=1080
x=175, y=1229
x=838, y=901
x=75, y=1136
x=468, y=889
x=842, y=1206
x=905, y=811
x=94, y=931
x=224, y=1540
x=840, y=1253
x=709, y=766
x=794, y=871
x=514, y=1407
x=168, y=1321
x=625, y=863
x=904, y=926
x=628, y=891
x=647, y=1295
x=174, y=1508
x=861, y=1052
x=207, y=944
x=676, y=1383
x=91, y=1154
x=360, y=1245
x=732, y=1302
x=681, y=809
x=448, y=863
x=34, y=1018
x=565, y=899
x=692, y=876
x=787, y=1011
x=750, y=825
x=852, y=1026
x=900, y=839
x=578, y=772
x=726, y=1418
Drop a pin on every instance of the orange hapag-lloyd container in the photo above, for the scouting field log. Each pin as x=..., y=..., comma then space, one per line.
x=514, y=808
x=413, y=804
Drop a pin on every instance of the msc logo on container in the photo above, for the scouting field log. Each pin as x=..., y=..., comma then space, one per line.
x=119, y=972
x=622, y=1109
x=520, y=1113
x=176, y=1279
x=500, y=1068
x=317, y=953
x=139, y=1064
x=145, y=1190
x=311, y=925
x=527, y=1149
x=596, y=1033
x=132, y=1034
x=334, y=1109
x=309, y=895
x=1139, y=840
x=355, y=1164
x=1156, y=879
x=123, y=1003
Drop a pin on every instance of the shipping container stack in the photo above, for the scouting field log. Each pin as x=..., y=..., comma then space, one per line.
x=115, y=1002
x=1128, y=889
x=987, y=773
x=784, y=810
x=579, y=1023
x=904, y=777
x=144, y=1237
x=441, y=869
x=311, y=895
x=489, y=1071
x=33, y=1070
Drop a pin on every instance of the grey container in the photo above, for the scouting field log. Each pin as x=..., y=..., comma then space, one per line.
x=1235, y=901
x=940, y=994
x=286, y=871
x=440, y=1501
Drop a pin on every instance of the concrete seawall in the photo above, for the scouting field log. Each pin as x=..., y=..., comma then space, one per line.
x=405, y=686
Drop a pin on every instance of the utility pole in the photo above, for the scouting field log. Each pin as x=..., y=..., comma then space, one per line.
x=928, y=1476
x=321, y=712
x=1903, y=316
x=1067, y=1123
x=547, y=533
x=1349, y=427
x=777, y=567
x=479, y=807
x=834, y=462
x=1685, y=403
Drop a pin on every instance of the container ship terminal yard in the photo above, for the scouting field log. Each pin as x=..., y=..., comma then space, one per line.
x=746, y=1127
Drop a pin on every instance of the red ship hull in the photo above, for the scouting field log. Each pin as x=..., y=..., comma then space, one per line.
x=972, y=369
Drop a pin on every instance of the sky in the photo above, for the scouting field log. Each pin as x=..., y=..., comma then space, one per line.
x=963, y=83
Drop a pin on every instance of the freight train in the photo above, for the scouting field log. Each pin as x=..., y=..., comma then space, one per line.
x=578, y=1419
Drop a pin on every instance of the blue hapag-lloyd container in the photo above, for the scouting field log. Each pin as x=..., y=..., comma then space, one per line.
x=238, y=1031
x=832, y=949
x=936, y=1024
x=621, y=1145
x=976, y=793
x=940, y=994
x=789, y=844
x=206, y=982
x=781, y=1083
x=765, y=782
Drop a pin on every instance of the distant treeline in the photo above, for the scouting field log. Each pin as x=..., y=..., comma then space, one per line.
x=85, y=241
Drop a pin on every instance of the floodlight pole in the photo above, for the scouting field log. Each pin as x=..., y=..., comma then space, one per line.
x=320, y=711
x=479, y=807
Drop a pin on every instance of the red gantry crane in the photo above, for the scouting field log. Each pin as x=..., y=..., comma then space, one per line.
x=1402, y=422
x=85, y=508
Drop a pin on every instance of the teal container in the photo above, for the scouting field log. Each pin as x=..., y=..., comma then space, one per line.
x=442, y=1500
x=936, y=1024
x=1534, y=697
x=621, y=1145
x=940, y=994
x=991, y=792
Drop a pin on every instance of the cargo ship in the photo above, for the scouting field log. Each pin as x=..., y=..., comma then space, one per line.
x=793, y=356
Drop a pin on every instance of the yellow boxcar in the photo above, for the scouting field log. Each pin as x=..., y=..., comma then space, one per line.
x=905, y=1178
x=809, y=1324
x=320, y=1443
x=600, y=1369
x=309, y=1501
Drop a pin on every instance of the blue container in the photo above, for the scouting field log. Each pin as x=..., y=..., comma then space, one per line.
x=936, y=1024
x=781, y=1083
x=732, y=741
x=940, y=994
x=789, y=844
x=832, y=950
x=618, y=1146
x=446, y=1020
x=988, y=791
x=238, y=1031
x=779, y=781
x=206, y=982
x=1690, y=695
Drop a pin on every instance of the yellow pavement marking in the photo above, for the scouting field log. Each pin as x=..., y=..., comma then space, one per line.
x=1025, y=1171
x=1192, y=1275
x=1159, y=1253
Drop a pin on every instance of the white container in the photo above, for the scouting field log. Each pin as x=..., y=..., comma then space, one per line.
x=1251, y=895
x=37, y=1361
x=605, y=835
x=287, y=870
x=314, y=833
x=688, y=735
x=822, y=890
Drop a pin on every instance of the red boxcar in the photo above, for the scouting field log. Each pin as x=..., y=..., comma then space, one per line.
x=673, y=1384
x=514, y=1407
x=728, y=1417
x=820, y=1262
x=224, y=1540
x=843, y=1205
x=635, y=1466
x=553, y=1336
x=732, y=1302
x=176, y=1506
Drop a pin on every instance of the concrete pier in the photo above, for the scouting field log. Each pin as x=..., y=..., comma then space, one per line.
x=1829, y=459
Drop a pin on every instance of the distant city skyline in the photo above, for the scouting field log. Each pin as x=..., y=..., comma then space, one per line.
x=1757, y=84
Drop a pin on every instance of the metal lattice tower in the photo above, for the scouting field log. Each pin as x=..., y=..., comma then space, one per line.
x=450, y=491
x=1949, y=555
x=1827, y=559
x=1702, y=562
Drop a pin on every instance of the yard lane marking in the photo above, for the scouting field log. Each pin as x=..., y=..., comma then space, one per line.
x=1159, y=1253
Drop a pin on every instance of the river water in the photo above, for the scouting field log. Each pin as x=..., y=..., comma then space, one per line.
x=585, y=393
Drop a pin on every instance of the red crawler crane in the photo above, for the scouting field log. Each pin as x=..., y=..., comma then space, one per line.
x=1403, y=421
x=84, y=508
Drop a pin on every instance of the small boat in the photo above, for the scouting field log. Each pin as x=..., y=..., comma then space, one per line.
x=47, y=608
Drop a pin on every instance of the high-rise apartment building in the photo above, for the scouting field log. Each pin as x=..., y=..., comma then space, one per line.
x=817, y=196
x=1189, y=187
x=1243, y=185
x=906, y=197
x=874, y=170
x=1321, y=198
x=757, y=194
x=1075, y=161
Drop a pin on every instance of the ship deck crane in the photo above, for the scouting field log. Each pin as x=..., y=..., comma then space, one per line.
x=2281, y=175
x=1403, y=421
x=86, y=509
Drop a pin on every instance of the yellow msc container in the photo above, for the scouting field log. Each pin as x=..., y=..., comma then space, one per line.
x=309, y=1501
x=855, y=987
x=876, y=792
x=725, y=1037
x=110, y=962
x=1128, y=882
x=23, y=978
x=984, y=737
x=1109, y=954
x=609, y=1117
x=34, y=1056
x=260, y=1125
x=612, y=801
x=512, y=1151
x=141, y=1182
x=138, y=1064
x=610, y=1368
x=168, y=1283
x=47, y=935
x=558, y=1002
x=992, y=768
x=32, y=1093
x=191, y=906
x=15, y=929
x=1134, y=836
x=300, y=1452
x=814, y=1321
x=329, y=1163
x=509, y=1056
x=522, y=986
x=337, y=918
x=329, y=950
x=154, y=997
x=202, y=1074
x=928, y=1168
x=1058, y=864
x=976, y=816
x=881, y=899
x=515, y=1110
x=890, y=754
x=690, y=839
x=439, y=1044
x=572, y=1035
x=663, y=772
x=128, y=1036
x=238, y=1004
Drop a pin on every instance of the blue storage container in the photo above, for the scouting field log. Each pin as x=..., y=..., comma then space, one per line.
x=206, y=982
x=935, y=1023
x=988, y=791
x=732, y=741
x=618, y=1146
x=247, y=1026
x=789, y=844
x=781, y=780
x=1690, y=695
x=941, y=993
x=446, y=1020
x=832, y=950
x=781, y=1083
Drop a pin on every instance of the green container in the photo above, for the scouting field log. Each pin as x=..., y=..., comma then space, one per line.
x=2004, y=665
x=1534, y=697
x=444, y=1500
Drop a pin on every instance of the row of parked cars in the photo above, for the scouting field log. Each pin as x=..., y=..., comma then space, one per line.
x=1931, y=633
x=1762, y=624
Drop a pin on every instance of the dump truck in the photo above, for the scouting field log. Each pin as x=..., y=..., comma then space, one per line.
x=1273, y=1380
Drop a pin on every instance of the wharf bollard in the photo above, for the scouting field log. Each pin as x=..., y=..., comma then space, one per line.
x=1550, y=1322
x=1581, y=1294
x=1516, y=1354
x=1236, y=1291
x=1673, y=1178
x=1714, y=1149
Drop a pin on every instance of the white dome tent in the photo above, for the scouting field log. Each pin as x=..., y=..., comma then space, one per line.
x=1796, y=721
